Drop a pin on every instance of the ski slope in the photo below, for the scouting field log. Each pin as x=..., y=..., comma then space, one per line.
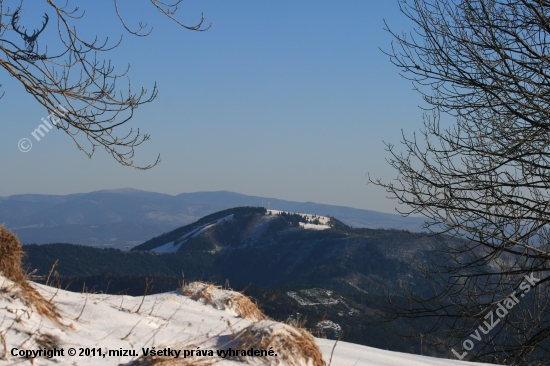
x=173, y=246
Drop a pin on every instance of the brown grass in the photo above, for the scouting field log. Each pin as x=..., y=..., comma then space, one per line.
x=11, y=253
x=245, y=308
x=205, y=293
x=171, y=361
x=239, y=303
x=47, y=341
x=293, y=346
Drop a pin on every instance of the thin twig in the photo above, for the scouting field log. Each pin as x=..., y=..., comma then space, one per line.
x=147, y=283
x=334, y=347
x=130, y=332
x=51, y=270
x=82, y=311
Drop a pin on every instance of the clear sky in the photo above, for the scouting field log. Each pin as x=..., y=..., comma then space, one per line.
x=285, y=99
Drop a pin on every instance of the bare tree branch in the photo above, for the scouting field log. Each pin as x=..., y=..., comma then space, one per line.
x=486, y=178
x=80, y=90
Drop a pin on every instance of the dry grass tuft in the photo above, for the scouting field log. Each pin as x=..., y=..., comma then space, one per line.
x=220, y=299
x=171, y=361
x=243, y=306
x=293, y=346
x=47, y=341
x=3, y=347
x=197, y=292
x=11, y=253
x=42, y=306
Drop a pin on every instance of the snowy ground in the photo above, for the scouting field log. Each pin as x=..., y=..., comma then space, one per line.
x=171, y=320
x=349, y=354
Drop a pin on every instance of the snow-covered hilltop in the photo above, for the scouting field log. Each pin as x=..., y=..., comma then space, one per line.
x=256, y=229
x=197, y=319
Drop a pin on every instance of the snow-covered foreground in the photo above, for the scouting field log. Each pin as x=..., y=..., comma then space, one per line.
x=99, y=324
x=350, y=354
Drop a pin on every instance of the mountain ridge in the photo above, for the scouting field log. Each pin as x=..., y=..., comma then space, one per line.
x=32, y=216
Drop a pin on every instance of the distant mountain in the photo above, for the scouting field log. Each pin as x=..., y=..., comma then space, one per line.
x=88, y=218
x=123, y=235
x=295, y=265
x=258, y=247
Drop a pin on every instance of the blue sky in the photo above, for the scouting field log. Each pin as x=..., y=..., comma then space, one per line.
x=284, y=99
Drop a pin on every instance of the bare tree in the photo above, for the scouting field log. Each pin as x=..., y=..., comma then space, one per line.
x=77, y=86
x=485, y=178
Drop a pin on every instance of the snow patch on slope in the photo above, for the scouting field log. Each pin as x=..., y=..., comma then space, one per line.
x=209, y=225
x=322, y=220
x=314, y=226
x=328, y=326
x=174, y=246
x=319, y=297
x=167, y=248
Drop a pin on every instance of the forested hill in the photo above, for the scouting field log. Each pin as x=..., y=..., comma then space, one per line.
x=254, y=246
